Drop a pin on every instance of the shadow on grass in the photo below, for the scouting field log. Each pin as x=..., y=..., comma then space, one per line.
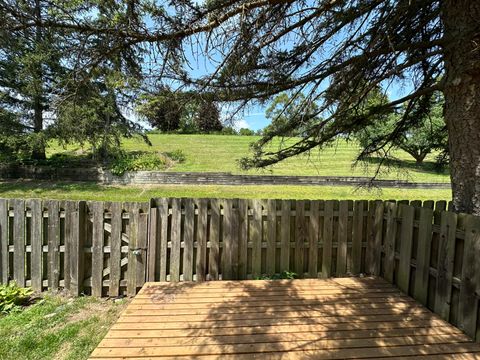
x=428, y=167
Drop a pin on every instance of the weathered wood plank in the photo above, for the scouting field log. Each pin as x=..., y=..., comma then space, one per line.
x=115, y=249
x=228, y=229
x=133, y=212
x=357, y=236
x=271, y=235
x=300, y=237
x=422, y=271
x=377, y=238
x=163, y=213
x=201, y=260
x=242, y=239
x=344, y=206
x=189, y=223
x=77, y=242
x=256, y=237
x=313, y=237
x=214, y=257
x=19, y=242
x=327, y=239
x=389, y=242
x=4, y=263
x=406, y=243
x=37, y=247
x=470, y=278
x=53, y=245
x=285, y=236
x=175, y=240
x=97, y=210
x=446, y=256
x=153, y=244
x=142, y=237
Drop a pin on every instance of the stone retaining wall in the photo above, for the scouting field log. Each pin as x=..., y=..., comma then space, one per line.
x=190, y=178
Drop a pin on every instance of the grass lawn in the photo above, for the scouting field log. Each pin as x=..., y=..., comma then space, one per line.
x=219, y=153
x=57, y=328
x=90, y=191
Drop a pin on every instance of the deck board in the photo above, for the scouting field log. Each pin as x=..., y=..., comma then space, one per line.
x=347, y=318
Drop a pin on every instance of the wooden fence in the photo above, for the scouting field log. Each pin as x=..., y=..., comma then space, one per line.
x=111, y=248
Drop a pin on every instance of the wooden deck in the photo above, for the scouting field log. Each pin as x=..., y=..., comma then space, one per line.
x=347, y=318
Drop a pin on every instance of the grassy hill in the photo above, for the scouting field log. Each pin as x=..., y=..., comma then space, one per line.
x=219, y=153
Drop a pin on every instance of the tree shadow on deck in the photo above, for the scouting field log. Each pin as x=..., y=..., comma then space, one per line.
x=300, y=319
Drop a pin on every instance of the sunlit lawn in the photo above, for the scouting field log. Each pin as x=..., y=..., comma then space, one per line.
x=219, y=153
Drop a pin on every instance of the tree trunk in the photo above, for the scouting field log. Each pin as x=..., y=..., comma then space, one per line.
x=462, y=100
x=38, y=152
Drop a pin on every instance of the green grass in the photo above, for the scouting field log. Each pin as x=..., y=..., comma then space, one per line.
x=57, y=328
x=219, y=153
x=90, y=191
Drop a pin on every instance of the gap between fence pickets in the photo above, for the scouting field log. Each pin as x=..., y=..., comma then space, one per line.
x=104, y=247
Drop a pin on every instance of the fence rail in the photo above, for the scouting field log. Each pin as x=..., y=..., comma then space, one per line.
x=112, y=248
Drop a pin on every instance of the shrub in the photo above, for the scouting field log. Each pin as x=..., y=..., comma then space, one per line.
x=177, y=155
x=284, y=275
x=12, y=297
x=137, y=161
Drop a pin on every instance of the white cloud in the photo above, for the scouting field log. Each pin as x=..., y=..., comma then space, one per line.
x=241, y=124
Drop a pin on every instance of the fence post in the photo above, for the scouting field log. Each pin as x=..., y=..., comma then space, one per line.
x=77, y=251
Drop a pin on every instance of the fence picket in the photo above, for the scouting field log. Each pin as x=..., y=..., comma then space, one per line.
x=201, y=260
x=313, y=237
x=53, y=245
x=343, y=207
x=470, y=277
x=19, y=242
x=285, y=236
x=175, y=240
x=406, y=243
x=37, y=246
x=214, y=257
x=271, y=235
x=422, y=271
x=256, y=237
x=97, y=248
x=189, y=223
x=4, y=242
x=115, y=246
x=357, y=236
x=446, y=254
x=389, y=243
x=300, y=237
x=327, y=239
